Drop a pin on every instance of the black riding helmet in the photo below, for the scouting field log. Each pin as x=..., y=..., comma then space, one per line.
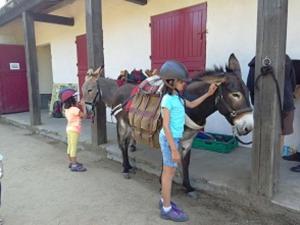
x=173, y=70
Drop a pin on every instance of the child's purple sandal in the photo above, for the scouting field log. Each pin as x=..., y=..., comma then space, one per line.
x=70, y=164
x=78, y=168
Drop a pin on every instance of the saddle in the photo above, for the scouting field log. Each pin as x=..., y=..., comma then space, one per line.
x=144, y=111
x=135, y=77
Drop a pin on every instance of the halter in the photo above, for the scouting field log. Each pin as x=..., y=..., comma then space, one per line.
x=231, y=112
x=95, y=100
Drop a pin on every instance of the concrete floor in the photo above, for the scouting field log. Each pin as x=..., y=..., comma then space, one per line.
x=39, y=189
x=221, y=172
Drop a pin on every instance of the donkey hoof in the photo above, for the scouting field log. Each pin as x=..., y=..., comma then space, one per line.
x=192, y=195
x=126, y=175
x=132, y=148
x=133, y=170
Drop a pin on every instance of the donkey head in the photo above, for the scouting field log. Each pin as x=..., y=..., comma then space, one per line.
x=89, y=87
x=232, y=97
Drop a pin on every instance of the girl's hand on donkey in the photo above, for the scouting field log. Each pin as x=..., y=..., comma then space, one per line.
x=212, y=89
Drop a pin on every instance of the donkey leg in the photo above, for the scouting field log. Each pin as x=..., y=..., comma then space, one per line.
x=186, y=145
x=132, y=145
x=127, y=147
x=185, y=171
x=126, y=165
x=123, y=145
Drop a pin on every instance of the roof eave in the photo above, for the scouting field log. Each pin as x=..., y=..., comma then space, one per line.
x=15, y=8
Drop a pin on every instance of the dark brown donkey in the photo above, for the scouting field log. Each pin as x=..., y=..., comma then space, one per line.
x=231, y=100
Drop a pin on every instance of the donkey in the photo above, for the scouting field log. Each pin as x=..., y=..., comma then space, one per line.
x=231, y=100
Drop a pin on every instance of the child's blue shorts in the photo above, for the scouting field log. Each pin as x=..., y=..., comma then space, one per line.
x=166, y=151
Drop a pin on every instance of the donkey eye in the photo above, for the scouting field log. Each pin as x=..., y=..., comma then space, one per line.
x=236, y=95
x=89, y=90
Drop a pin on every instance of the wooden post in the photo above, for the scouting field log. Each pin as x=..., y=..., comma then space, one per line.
x=271, y=43
x=95, y=53
x=32, y=69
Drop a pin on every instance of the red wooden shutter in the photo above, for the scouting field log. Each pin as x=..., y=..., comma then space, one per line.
x=180, y=35
x=13, y=81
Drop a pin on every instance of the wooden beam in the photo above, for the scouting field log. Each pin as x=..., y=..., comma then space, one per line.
x=32, y=69
x=94, y=35
x=271, y=43
x=140, y=2
x=14, y=9
x=47, y=18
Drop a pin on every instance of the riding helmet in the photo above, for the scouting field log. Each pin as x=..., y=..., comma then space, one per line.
x=173, y=69
x=67, y=93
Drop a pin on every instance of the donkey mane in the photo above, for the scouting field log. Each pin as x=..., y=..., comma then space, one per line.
x=108, y=78
x=216, y=71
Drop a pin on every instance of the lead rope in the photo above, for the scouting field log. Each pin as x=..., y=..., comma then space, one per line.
x=265, y=70
x=239, y=140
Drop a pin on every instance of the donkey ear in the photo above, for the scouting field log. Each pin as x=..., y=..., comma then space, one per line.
x=99, y=72
x=234, y=65
x=89, y=72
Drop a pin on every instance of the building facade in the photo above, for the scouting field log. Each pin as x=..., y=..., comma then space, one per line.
x=230, y=28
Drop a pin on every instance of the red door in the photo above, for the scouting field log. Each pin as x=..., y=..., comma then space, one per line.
x=13, y=81
x=81, y=59
x=180, y=35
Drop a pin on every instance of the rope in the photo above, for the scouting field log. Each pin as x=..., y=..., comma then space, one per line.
x=265, y=70
x=242, y=142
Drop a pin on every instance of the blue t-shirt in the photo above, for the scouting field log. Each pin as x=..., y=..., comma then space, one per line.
x=175, y=105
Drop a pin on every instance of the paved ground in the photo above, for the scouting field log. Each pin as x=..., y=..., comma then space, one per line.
x=40, y=190
x=225, y=174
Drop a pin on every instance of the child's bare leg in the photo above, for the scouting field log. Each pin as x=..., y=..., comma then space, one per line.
x=166, y=182
x=69, y=157
x=73, y=159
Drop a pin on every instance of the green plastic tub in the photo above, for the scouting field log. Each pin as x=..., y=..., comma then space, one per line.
x=215, y=142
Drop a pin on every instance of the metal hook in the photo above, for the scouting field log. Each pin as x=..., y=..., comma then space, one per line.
x=266, y=61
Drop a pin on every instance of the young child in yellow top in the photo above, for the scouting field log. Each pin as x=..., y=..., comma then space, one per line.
x=73, y=114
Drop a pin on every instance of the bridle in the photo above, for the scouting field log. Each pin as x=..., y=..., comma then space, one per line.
x=93, y=104
x=219, y=100
x=231, y=112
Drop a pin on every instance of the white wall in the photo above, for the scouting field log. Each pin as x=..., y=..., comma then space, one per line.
x=231, y=28
x=62, y=42
x=239, y=36
x=2, y=3
x=44, y=69
x=12, y=33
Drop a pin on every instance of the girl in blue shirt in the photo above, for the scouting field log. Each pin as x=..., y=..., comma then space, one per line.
x=174, y=75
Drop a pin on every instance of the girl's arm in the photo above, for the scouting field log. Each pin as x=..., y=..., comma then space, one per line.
x=192, y=104
x=166, y=127
x=82, y=107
